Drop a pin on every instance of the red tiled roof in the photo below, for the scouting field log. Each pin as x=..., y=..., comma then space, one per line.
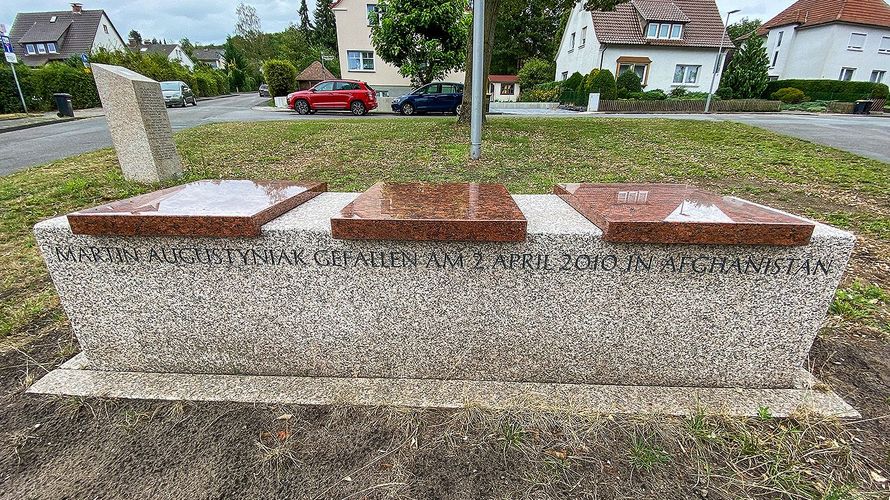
x=315, y=72
x=623, y=25
x=503, y=78
x=816, y=12
x=655, y=10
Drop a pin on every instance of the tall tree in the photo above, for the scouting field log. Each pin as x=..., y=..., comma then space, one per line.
x=325, y=25
x=526, y=29
x=425, y=39
x=747, y=74
x=742, y=29
x=305, y=25
x=135, y=38
x=187, y=46
x=248, y=24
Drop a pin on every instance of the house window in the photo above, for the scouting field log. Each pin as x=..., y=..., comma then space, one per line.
x=491, y=88
x=507, y=88
x=29, y=48
x=664, y=30
x=846, y=74
x=360, y=60
x=686, y=74
x=779, y=41
x=41, y=48
x=51, y=47
x=583, y=37
x=565, y=75
x=572, y=43
x=857, y=41
x=885, y=45
x=105, y=27
x=372, y=7
x=877, y=76
x=639, y=69
x=775, y=58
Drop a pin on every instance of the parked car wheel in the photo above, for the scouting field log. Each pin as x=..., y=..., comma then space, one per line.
x=301, y=107
x=194, y=101
x=182, y=102
x=407, y=109
x=358, y=108
x=457, y=109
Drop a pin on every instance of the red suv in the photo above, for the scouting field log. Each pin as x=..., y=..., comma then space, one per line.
x=351, y=95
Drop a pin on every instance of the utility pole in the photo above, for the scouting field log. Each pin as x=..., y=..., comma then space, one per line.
x=478, y=98
x=718, y=62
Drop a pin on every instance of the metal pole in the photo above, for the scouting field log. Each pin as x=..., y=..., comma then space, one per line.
x=717, y=62
x=21, y=96
x=478, y=98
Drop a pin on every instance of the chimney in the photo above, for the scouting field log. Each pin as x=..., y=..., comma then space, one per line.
x=77, y=8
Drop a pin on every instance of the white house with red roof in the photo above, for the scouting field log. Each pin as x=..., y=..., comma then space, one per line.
x=830, y=39
x=503, y=88
x=667, y=43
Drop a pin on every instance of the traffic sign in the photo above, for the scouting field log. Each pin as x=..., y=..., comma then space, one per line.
x=7, y=46
x=11, y=58
x=85, y=59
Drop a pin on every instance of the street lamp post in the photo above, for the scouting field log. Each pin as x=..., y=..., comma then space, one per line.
x=718, y=62
x=478, y=55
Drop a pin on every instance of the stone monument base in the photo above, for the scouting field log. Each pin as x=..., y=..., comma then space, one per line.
x=77, y=378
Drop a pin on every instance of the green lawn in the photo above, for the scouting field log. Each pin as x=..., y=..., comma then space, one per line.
x=528, y=155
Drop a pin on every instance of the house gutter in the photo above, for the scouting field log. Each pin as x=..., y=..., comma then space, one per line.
x=602, y=55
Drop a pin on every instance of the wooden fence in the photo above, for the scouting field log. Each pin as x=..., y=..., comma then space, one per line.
x=690, y=106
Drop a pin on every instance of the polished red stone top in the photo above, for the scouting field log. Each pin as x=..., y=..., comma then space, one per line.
x=202, y=208
x=676, y=213
x=425, y=212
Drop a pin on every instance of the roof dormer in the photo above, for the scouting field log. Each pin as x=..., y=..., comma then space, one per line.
x=661, y=19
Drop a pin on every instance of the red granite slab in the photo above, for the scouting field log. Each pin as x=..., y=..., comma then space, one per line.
x=229, y=208
x=676, y=213
x=432, y=212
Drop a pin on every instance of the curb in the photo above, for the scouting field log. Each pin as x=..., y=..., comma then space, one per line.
x=24, y=126
x=214, y=97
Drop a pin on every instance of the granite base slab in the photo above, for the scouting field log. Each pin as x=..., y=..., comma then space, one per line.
x=75, y=378
x=561, y=307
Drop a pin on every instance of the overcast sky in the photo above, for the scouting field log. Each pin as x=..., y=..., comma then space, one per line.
x=209, y=21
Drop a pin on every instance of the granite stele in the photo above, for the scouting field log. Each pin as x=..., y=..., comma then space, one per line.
x=602, y=298
x=138, y=122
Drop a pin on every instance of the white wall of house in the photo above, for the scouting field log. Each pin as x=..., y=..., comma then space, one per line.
x=497, y=91
x=822, y=52
x=107, y=37
x=586, y=54
x=354, y=35
x=179, y=55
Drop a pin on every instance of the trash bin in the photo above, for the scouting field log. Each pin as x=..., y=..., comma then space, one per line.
x=63, y=104
x=862, y=107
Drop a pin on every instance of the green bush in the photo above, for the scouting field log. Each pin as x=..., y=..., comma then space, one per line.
x=535, y=71
x=651, y=95
x=693, y=96
x=880, y=91
x=281, y=76
x=604, y=84
x=789, y=95
x=830, y=90
x=537, y=94
x=724, y=92
x=678, y=92
x=629, y=81
x=39, y=85
x=574, y=82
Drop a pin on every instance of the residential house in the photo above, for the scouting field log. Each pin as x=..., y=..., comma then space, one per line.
x=358, y=60
x=830, y=39
x=40, y=37
x=312, y=74
x=503, y=88
x=667, y=43
x=213, y=57
x=172, y=51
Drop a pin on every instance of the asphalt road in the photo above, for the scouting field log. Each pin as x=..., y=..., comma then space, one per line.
x=866, y=136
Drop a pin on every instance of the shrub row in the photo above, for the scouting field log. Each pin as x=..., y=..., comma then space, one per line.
x=830, y=90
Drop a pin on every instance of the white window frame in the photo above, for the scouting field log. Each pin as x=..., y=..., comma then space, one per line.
x=633, y=67
x=668, y=28
x=565, y=75
x=844, y=71
x=362, y=58
x=41, y=48
x=850, y=45
x=572, y=42
x=105, y=27
x=877, y=76
x=775, y=59
x=51, y=48
x=29, y=49
x=779, y=40
x=884, y=47
x=371, y=7
x=684, y=79
x=583, y=37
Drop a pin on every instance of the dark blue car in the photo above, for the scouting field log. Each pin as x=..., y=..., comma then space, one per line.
x=438, y=97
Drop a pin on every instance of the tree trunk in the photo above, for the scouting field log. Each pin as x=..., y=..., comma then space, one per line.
x=491, y=9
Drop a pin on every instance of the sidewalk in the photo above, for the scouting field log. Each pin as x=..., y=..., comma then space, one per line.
x=47, y=118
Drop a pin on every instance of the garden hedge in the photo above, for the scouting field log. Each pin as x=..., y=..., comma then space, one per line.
x=830, y=90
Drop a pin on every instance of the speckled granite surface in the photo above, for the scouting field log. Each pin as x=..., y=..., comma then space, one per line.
x=561, y=307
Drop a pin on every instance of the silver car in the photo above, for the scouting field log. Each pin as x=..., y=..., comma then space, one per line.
x=178, y=94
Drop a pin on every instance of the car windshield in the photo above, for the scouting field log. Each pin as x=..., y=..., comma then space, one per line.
x=169, y=85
